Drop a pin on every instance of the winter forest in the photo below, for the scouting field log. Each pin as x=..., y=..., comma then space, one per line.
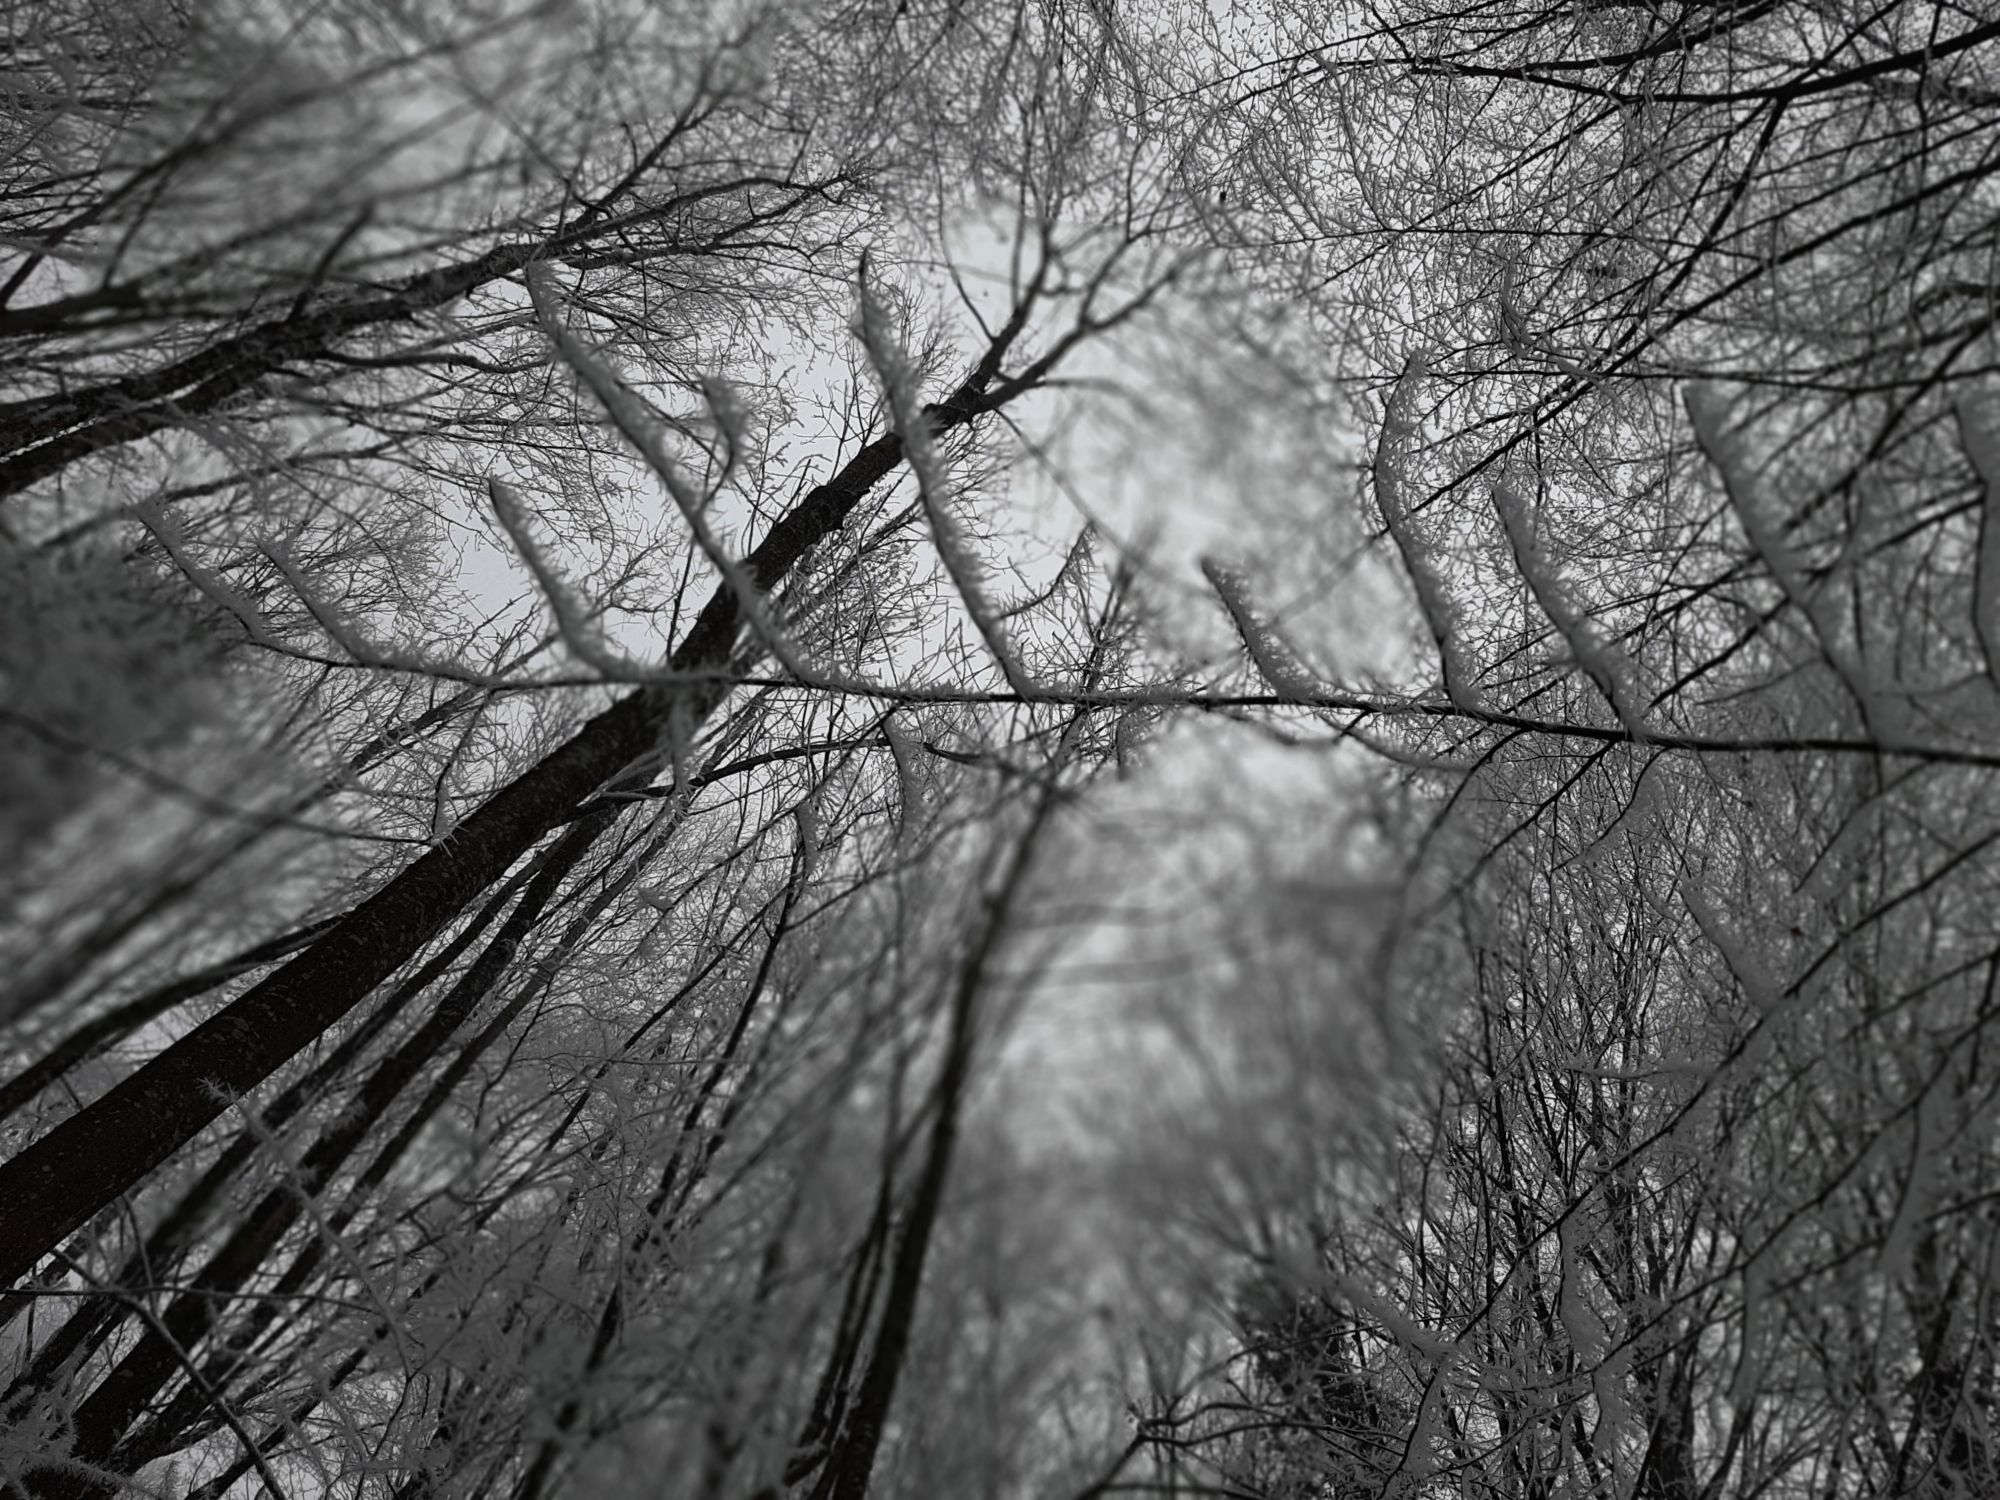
x=1024, y=749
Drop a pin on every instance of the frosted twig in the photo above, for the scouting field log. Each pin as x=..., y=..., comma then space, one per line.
x=805, y=813
x=638, y=426
x=1581, y=1324
x=343, y=633
x=1709, y=411
x=962, y=564
x=573, y=621
x=1763, y=992
x=903, y=750
x=1406, y=1330
x=1399, y=423
x=168, y=535
x=1602, y=662
x=1273, y=654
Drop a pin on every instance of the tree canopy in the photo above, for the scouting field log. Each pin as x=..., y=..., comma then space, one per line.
x=618, y=619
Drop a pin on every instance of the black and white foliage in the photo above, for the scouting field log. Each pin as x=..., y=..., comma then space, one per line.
x=580, y=681
x=1680, y=323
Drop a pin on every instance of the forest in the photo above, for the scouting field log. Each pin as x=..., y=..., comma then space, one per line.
x=1023, y=749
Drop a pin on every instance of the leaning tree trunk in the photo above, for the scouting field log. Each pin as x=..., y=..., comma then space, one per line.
x=57, y=1184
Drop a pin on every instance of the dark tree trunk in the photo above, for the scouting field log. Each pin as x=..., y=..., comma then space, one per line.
x=85, y=1163
x=82, y=1166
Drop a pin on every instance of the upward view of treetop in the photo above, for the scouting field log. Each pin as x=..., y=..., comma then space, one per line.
x=1040, y=749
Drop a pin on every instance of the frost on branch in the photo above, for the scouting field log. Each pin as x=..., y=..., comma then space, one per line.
x=1759, y=987
x=1273, y=654
x=1602, y=662
x=962, y=562
x=1764, y=520
x=573, y=619
x=1590, y=1338
x=345, y=634
x=1762, y=989
x=168, y=535
x=1399, y=424
x=910, y=798
x=637, y=424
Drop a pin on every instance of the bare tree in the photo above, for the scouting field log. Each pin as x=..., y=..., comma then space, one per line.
x=1678, y=435
x=506, y=976
x=541, y=1024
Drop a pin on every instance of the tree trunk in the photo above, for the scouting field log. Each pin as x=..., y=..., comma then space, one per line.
x=84, y=1164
